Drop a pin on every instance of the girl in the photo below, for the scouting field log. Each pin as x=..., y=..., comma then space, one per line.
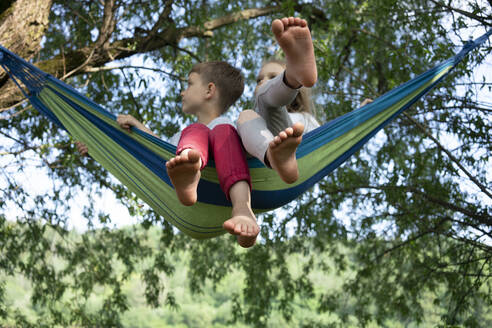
x=273, y=131
x=283, y=111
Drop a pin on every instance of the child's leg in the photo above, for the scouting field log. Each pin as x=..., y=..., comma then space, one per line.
x=243, y=221
x=271, y=99
x=192, y=156
x=281, y=153
x=278, y=152
x=254, y=133
x=294, y=38
x=235, y=181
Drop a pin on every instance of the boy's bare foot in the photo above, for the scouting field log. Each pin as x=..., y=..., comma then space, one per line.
x=184, y=171
x=294, y=38
x=281, y=152
x=243, y=225
x=246, y=242
x=243, y=221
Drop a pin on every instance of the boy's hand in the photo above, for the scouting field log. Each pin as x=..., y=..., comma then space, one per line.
x=366, y=101
x=82, y=148
x=127, y=121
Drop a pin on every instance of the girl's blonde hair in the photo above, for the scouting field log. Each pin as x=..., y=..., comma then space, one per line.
x=303, y=102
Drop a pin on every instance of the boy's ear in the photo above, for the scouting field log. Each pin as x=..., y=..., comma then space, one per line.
x=211, y=89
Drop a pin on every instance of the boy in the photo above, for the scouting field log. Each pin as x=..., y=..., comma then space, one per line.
x=212, y=88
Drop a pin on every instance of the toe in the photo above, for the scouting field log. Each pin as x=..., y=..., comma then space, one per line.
x=277, y=27
x=297, y=129
x=229, y=226
x=289, y=132
x=193, y=156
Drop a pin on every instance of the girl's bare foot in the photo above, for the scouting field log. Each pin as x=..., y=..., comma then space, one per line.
x=281, y=152
x=294, y=38
x=184, y=172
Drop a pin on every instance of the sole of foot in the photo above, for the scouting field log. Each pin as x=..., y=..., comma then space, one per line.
x=184, y=172
x=281, y=153
x=294, y=38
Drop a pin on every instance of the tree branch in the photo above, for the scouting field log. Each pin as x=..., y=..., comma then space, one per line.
x=408, y=241
x=346, y=52
x=478, y=228
x=482, y=218
x=451, y=157
x=10, y=107
x=110, y=68
x=78, y=69
x=480, y=19
x=94, y=56
x=208, y=27
x=481, y=246
x=163, y=17
x=316, y=13
x=429, y=135
x=108, y=25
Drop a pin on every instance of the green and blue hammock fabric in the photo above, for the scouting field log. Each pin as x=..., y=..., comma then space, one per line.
x=138, y=159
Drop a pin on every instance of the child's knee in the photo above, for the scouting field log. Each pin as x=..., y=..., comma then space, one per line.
x=223, y=130
x=247, y=115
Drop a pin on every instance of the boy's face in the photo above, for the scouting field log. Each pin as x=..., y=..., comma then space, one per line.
x=268, y=72
x=193, y=97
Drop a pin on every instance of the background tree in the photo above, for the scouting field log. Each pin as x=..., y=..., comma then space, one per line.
x=414, y=204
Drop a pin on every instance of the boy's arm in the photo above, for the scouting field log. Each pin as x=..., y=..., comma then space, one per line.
x=124, y=121
x=82, y=148
x=127, y=121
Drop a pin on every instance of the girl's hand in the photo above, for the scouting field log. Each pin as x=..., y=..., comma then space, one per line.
x=366, y=101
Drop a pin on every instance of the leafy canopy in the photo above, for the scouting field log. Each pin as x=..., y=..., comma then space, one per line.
x=413, y=206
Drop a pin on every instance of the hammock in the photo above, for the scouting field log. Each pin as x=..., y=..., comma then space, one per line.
x=138, y=159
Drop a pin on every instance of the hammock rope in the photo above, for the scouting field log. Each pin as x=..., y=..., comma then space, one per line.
x=138, y=159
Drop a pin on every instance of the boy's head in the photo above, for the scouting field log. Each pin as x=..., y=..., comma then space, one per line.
x=227, y=79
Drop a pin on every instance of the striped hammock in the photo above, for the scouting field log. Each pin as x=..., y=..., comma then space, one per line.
x=138, y=159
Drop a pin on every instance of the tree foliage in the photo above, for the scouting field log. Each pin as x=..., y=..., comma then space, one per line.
x=213, y=306
x=414, y=204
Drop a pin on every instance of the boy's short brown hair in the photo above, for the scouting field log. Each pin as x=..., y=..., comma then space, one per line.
x=228, y=80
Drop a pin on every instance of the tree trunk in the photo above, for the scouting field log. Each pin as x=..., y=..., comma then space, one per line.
x=22, y=26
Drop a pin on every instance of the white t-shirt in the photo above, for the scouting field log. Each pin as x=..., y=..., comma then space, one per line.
x=218, y=121
x=307, y=119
